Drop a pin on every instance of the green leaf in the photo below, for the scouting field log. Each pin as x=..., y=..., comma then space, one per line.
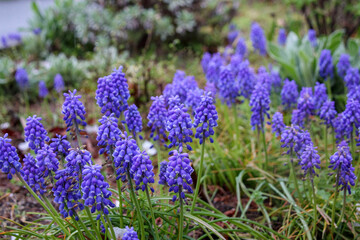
x=208, y=226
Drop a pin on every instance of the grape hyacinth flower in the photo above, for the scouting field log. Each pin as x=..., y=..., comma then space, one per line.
x=289, y=94
x=193, y=98
x=354, y=93
x=205, y=61
x=246, y=79
x=306, y=101
x=95, y=190
x=241, y=48
x=130, y=234
x=35, y=133
x=297, y=118
x=174, y=101
x=74, y=110
x=4, y=42
x=125, y=150
x=310, y=160
x=258, y=39
x=142, y=171
x=260, y=105
x=36, y=31
x=77, y=159
x=294, y=139
x=59, y=83
x=341, y=127
x=228, y=90
x=22, y=78
x=320, y=95
x=213, y=69
x=277, y=124
x=312, y=38
x=205, y=118
x=33, y=175
x=157, y=118
x=43, y=91
x=328, y=113
x=264, y=78
x=162, y=172
x=60, y=145
x=15, y=37
x=276, y=80
x=233, y=33
x=235, y=61
x=326, y=64
x=178, y=174
x=343, y=65
x=352, y=78
x=352, y=116
x=67, y=193
x=282, y=36
x=9, y=159
x=133, y=120
x=46, y=161
x=108, y=133
x=211, y=88
x=179, y=126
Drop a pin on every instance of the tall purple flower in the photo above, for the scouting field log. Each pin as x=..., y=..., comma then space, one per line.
x=193, y=98
x=162, y=172
x=258, y=39
x=282, y=36
x=180, y=86
x=178, y=174
x=306, y=101
x=341, y=127
x=73, y=110
x=298, y=117
x=59, y=83
x=343, y=65
x=22, y=78
x=354, y=92
x=352, y=78
x=205, y=118
x=77, y=159
x=35, y=133
x=95, y=190
x=213, y=69
x=179, y=126
x=326, y=66
x=228, y=90
x=310, y=160
x=108, y=133
x=60, y=145
x=260, y=105
x=43, y=91
x=312, y=38
x=264, y=78
x=328, y=113
x=142, y=171
x=277, y=124
x=130, y=234
x=133, y=120
x=211, y=88
x=352, y=115
x=125, y=150
x=157, y=118
x=246, y=79
x=320, y=95
x=294, y=139
x=233, y=33
x=289, y=94
x=33, y=175
x=276, y=80
x=9, y=159
x=46, y=161
x=205, y=61
x=241, y=48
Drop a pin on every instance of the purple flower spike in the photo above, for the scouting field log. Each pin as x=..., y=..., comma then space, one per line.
x=35, y=133
x=95, y=190
x=310, y=160
x=312, y=38
x=59, y=83
x=246, y=79
x=162, y=172
x=211, y=88
x=22, y=78
x=205, y=118
x=326, y=66
x=142, y=171
x=228, y=90
x=260, y=106
x=341, y=127
x=282, y=36
x=241, y=48
x=46, y=161
x=343, y=65
x=277, y=124
x=205, y=61
x=178, y=174
x=233, y=33
x=213, y=69
x=73, y=110
x=354, y=92
x=108, y=133
x=130, y=234
x=289, y=94
x=60, y=145
x=352, y=78
x=157, y=118
x=352, y=115
x=294, y=139
x=306, y=102
x=328, y=113
x=133, y=120
x=258, y=39
x=193, y=98
x=298, y=117
x=43, y=91
x=33, y=175
x=78, y=159
x=320, y=95
x=9, y=159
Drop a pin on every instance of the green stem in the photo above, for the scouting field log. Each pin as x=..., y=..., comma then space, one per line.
x=315, y=210
x=92, y=222
x=333, y=140
x=326, y=143
x=105, y=226
x=343, y=208
x=118, y=183
x=295, y=179
x=335, y=197
x=236, y=123
x=152, y=214
x=264, y=146
x=181, y=219
x=89, y=234
x=111, y=226
x=77, y=132
x=328, y=86
x=76, y=225
x=198, y=181
x=137, y=206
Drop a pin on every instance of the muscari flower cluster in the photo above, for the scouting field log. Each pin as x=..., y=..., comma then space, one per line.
x=320, y=95
x=312, y=37
x=258, y=39
x=130, y=234
x=125, y=150
x=326, y=64
x=47, y=161
x=213, y=68
x=260, y=105
x=277, y=124
x=306, y=102
x=95, y=190
x=60, y=145
x=205, y=61
x=162, y=172
x=294, y=139
x=241, y=49
x=193, y=98
x=32, y=174
x=142, y=171
x=297, y=117
x=227, y=87
x=343, y=65
x=157, y=118
x=180, y=86
x=289, y=94
x=178, y=174
x=73, y=110
x=43, y=91
x=59, y=83
x=276, y=80
x=245, y=79
x=77, y=159
x=108, y=133
x=133, y=120
x=9, y=159
x=232, y=34
x=328, y=113
x=282, y=36
x=351, y=116
x=35, y=133
x=67, y=193
x=352, y=78
x=342, y=162
x=22, y=78
x=309, y=160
